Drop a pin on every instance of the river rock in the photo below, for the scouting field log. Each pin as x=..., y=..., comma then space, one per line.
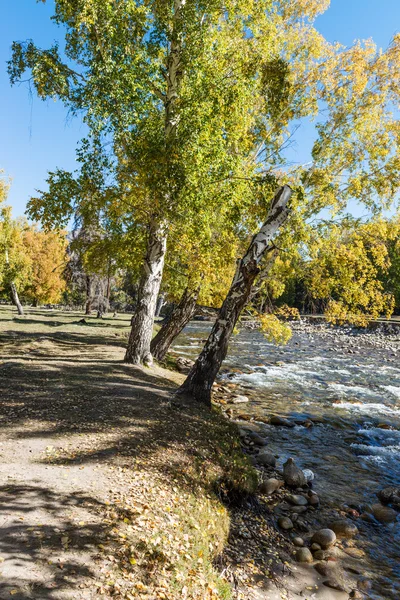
x=297, y=500
x=324, y=537
x=320, y=555
x=298, y=541
x=325, y=568
x=309, y=475
x=356, y=595
x=293, y=476
x=280, y=421
x=299, y=509
x=266, y=459
x=285, y=523
x=315, y=547
x=344, y=528
x=313, y=499
x=239, y=400
x=390, y=495
x=384, y=514
x=303, y=555
x=257, y=439
x=355, y=552
x=269, y=486
x=334, y=585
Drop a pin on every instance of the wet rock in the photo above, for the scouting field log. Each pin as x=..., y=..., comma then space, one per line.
x=325, y=568
x=364, y=585
x=303, y=555
x=355, y=552
x=266, y=459
x=344, y=528
x=297, y=500
x=299, y=509
x=269, y=486
x=356, y=595
x=315, y=547
x=280, y=421
x=384, y=514
x=285, y=523
x=309, y=475
x=324, y=537
x=239, y=400
x=320, y=555
x=390, y=495
x=334, y=585
x=298, y=541
x=257, y=439
x=293, y=476
x=313, y=500
x=302, y=526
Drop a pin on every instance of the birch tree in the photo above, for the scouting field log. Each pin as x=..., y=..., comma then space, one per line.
x=202, y=375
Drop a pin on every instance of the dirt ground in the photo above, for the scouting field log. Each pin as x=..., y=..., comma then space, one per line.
x=104, y=488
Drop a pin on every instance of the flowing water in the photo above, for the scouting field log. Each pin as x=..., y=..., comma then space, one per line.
x=352, y=385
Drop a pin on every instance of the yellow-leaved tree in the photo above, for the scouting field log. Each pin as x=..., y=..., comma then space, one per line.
x=47, y=253
x=348, y=263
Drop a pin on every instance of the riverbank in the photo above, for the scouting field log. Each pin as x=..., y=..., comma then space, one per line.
x=112, y=488
x=334, y=395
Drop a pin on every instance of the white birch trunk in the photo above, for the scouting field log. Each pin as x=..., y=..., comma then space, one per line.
x=202, y=375
x=138, y=350
x=15, y=298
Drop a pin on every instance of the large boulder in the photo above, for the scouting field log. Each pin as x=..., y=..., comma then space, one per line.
x=292, y=475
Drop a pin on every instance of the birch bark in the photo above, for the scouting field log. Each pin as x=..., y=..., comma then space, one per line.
x=15, y=298
x=203, y=373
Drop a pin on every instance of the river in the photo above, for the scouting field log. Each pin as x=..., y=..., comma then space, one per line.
x=350, y=381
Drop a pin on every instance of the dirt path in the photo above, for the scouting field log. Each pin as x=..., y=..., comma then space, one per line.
x=68, y=410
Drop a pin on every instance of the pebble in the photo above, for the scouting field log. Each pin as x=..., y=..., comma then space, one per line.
x=324, y=537
x=319, y=555
x=285, y=523
x=303, y=555
x=313, y=500
x=344, y=528
x=315, y=547
x=298, y=541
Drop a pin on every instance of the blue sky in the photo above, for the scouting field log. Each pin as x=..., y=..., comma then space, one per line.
x=37, y=136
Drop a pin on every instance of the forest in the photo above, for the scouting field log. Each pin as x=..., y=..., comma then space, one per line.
x=190, y=314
